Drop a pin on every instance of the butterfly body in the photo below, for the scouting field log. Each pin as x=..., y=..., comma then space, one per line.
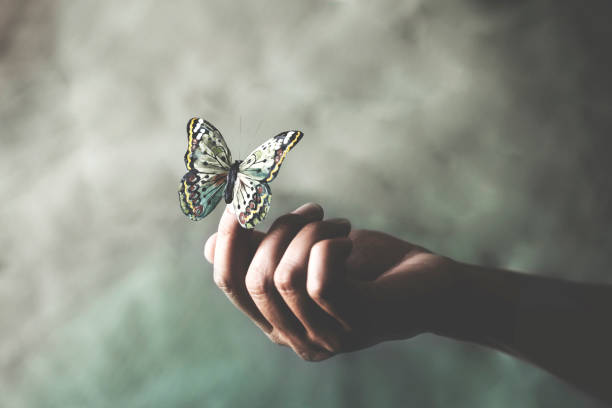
x=213, y=175
x=231, y=180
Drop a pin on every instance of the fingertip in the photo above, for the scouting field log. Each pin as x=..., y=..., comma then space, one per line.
x=228, y=225
x=209, y=248
x=310, y=210
x=343, y=224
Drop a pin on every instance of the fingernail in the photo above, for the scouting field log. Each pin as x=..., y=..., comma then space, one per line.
x=309, y=209
x=340, y=221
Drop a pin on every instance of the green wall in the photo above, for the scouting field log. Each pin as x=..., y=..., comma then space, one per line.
x=475, y=130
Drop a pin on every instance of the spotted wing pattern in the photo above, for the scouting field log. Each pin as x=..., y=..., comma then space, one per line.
x=251, y=200
x=206, y=149
x=207, y=160
x=199, y=193
x=265, y=161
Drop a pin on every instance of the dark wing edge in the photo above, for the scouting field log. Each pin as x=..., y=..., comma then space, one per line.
x=288, y=143
x=198, y=129
x=263, y=163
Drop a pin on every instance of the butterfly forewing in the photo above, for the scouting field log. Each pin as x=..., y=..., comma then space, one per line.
x=251, y=200
x=265, y=161
x=206, y=148
x=199, y=193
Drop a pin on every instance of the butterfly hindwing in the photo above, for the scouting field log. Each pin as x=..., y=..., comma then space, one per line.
x=206, y=148
x=199, y=193
x=265, y=161
x=251, y=200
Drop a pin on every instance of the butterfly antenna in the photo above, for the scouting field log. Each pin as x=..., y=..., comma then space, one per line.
x=240, y=138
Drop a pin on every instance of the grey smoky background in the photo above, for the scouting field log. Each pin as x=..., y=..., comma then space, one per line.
x=477, y=129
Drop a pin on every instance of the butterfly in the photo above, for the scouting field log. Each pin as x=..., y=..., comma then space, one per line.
x=212, y=175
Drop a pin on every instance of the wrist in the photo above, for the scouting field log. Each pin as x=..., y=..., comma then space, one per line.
x=446, y=306
x=477, y=304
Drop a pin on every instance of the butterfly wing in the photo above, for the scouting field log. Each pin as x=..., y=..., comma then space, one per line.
x=251, y=200
x=208, y=161
x=206, y=148
x=199, y=193
x=265, y=161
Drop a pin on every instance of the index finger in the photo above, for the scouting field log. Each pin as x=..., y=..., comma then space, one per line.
x=231, y=261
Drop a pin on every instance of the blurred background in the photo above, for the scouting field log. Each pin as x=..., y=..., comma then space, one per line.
x=478, y=131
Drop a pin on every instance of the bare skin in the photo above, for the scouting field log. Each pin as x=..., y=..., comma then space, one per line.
x=322, y=289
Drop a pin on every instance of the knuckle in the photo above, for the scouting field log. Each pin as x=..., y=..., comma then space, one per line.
x=287, y=276
x=313, y=356
x=284, y=282
x=317, y=288
x=306, y=355
x=303, y=348
x=257, y=284
x=329, y=342
x=276, y=339
x=223, y=283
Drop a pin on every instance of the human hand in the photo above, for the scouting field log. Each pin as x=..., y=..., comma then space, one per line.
x=321, y=289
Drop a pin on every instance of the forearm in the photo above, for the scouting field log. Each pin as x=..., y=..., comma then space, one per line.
x=561, y=326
